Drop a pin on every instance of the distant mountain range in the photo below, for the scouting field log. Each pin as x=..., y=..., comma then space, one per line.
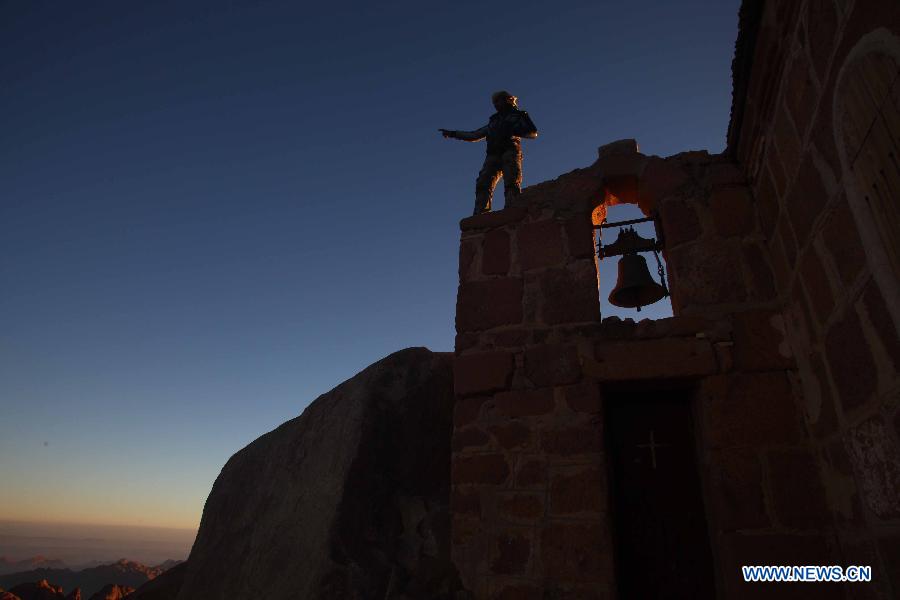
x=125, y=573
x=8, y=566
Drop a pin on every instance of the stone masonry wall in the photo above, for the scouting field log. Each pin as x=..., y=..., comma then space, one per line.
x=530, y=497
x=837, y=305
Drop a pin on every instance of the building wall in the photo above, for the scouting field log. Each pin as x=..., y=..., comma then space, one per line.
x=819, y=145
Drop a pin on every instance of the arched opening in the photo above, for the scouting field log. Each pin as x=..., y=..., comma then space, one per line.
x=867, y=134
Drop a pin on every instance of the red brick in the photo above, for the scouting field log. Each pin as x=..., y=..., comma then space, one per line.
x=651, y=359
x=580, y=235
x=466, y=410
x=882, y=322
x=679, y=222
x=465, y=502
x=573, y=440
x=480, y=469
x=511, y=435
x=575, y=552
x=577, y=490
x=539, y=244
x=521, y=505
x=732, y=210
x=762, y=280
x=841, y=239
x=481, y=305
x=552, y=364
x=531, y=472
x=807, y=199
x=850, y=360
x=706, y=273
x=495, y=253
x=737, y=485
x=511, y=552
x=584, y=397
x=797, y=490
x=876, y=461
x=751, y=409
x=479, y=373
x=469, y=437
x=760, y=342
x=525, y=403
x=569, y=295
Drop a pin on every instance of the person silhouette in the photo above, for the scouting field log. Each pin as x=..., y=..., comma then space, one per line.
x=503, y=131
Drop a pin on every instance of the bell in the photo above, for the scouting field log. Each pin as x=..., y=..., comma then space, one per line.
x=635, y=287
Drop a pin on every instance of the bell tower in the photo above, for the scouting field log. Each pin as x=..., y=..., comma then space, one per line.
x=563, y=418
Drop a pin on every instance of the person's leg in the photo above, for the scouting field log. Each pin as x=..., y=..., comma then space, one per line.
x=512, y=175
x=486, y=182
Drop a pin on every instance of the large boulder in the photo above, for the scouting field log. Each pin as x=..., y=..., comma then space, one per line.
x=349, y=500
x=163, y=587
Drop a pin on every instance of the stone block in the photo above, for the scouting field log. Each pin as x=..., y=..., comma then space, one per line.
x=737, y=483
x=483, y=469
x=492, y=219
x=531, y=471
x=548, y=365
x=495, y=253
x=841, y=240
x=732, y=210
x=806, y=200
x=580, y=237
x=724, y=173
x=875, y=457
x=661, y=179
x=510, y=338
x=650, y=359
x=465, y=501
x=521, y=506
x=511, y=435
x=679, y=222
x=752, y=409
x=578, y=491
x=525, y=403
x=506, y=590
x=575, y=552
x=850, y=360
x=511, y=551
x=761, y=278
x=573, y=440
x=796, y=486
x=760, y=342
x=481, y=373
x=569, y=295
x=584, y=397
x=706, y=273
x=767, y=204
x=469, y=438
x=882, y=323
x=467, y=410
x=815, y=280
x=540, y=244
x=481, y=305
x=468, y=250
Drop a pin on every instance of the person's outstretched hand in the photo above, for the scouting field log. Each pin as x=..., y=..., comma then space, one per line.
x=446, y=132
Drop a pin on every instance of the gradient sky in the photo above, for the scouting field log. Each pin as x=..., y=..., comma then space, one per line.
x=213, y=212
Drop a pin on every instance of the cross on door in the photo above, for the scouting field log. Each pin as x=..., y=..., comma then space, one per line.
x=652, y=446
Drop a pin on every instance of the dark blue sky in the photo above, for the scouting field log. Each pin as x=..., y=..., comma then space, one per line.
x=212, y=212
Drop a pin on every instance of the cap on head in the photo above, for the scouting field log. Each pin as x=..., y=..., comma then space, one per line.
x=503, y=95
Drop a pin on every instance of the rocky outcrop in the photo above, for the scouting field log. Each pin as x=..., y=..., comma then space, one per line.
x=348, y=500
x=164, y=587
x=112, y=592
x=41, y=590
x=123, y=572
